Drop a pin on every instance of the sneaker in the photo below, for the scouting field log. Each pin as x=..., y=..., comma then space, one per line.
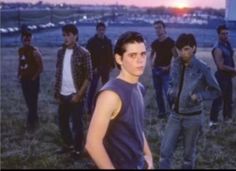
x=213, y=124
x=76, y=154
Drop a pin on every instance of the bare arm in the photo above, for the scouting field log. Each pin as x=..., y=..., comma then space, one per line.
x=108, y=105
x=153, y=57
x=38, y=58
x=220, y=62
x=147, y=153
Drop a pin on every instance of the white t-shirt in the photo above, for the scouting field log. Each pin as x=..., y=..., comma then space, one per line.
x=67, y=85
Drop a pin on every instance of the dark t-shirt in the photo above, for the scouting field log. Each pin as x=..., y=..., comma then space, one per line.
x=101, y=52
x=163, y=51
x=27, y=63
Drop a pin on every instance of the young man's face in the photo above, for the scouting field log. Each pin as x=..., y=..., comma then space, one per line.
x=101, y=31
x=133, y=60
x=160, y=30
x=69, y=39
x=224, y=35
x=186, y=53
x=26, y=40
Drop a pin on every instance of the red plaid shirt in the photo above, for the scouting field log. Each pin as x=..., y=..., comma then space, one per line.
x=81, y=67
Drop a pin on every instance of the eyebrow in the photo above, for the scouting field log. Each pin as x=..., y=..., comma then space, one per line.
x=137, y=52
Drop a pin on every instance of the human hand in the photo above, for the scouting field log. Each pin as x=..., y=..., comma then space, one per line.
x=149, y=161
x=194, y=97
x=76, y=98
x=58, y=101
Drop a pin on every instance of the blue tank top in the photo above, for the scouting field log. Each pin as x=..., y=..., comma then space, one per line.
x=227, y=54
x=124, y=138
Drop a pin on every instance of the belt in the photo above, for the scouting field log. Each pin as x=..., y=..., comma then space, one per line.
x=190, y=114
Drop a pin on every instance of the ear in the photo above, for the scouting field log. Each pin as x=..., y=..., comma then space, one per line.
x=118, y=59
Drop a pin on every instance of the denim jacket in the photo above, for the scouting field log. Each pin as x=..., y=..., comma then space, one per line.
x=197, y=79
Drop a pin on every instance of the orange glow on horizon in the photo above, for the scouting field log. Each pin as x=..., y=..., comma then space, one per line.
x=180, y=4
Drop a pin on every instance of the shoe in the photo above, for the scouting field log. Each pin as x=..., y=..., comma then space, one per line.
x=213, y=125
x=75, y=154
x=228, y=120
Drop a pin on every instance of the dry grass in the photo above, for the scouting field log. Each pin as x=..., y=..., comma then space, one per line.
x=21, y=150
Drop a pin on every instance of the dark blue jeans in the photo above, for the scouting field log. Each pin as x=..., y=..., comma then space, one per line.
x=103, y=73
x=225, y=100
x=71, y=112
x=189, y=127
x=160, y=82
x=30, y=90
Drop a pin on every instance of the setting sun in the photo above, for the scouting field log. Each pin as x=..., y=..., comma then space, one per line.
x=180, y=4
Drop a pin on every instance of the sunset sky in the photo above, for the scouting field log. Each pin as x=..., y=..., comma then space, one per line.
x=147, y=3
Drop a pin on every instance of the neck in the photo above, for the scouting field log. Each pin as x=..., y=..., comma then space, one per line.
x=101, y=36
x=223, y=41
x=186, y=62
x=71, y=46
x=26, y=46
x=128, y=78
x=162, y=36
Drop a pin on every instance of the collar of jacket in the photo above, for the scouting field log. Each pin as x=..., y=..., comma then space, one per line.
x=64, y=47
x=191, y=64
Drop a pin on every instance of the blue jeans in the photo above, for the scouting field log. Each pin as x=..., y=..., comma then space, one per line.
x=68, y=110
x=189, y=127
x=225, y=100
x=160, y=82
x=104, y=74
x=30, y=90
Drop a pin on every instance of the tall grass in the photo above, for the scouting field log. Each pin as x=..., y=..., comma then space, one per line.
x=23, y=150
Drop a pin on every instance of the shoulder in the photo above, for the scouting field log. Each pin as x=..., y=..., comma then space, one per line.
x=61, y=49
x=217, y=50
x=108, y=98
x=117, y=86
x=170, y=41
x=92, y=39
x=142, y=88
x=176, y=60
x=156, y=41
x=108, y=94
x=36, y=53
x=20, y=50
x=202, y=65
x=83, y=51
x=108, y=39
x=36, y=50
x=154, y=44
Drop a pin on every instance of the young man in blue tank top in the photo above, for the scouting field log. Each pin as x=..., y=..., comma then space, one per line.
x=223, y=53
x=116, y=137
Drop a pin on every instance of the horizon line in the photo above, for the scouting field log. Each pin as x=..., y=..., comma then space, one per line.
x=117, y=4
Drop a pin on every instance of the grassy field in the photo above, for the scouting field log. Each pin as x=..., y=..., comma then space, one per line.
x=22, y=150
